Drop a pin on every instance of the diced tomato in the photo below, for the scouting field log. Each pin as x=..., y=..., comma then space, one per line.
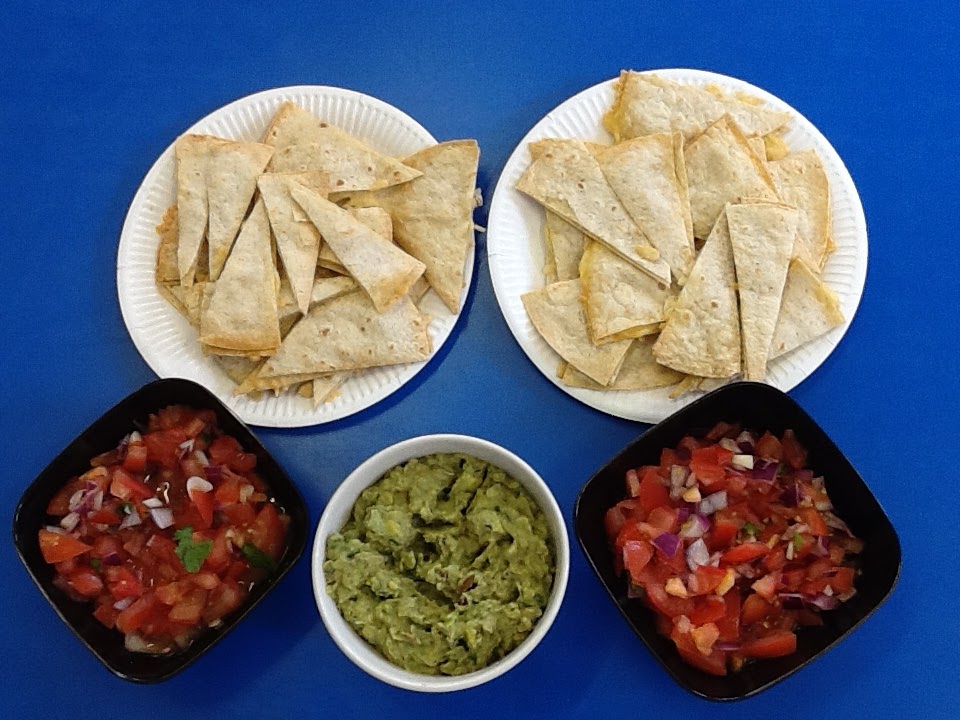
x=715, y=663
x=814, y=520
x=706, y=579
x=636, y=555
x=57, y=548
x=667, y=604
x=86, y=582
x=819, y=568
x=793, y=452
x=814, y=587
x=163, y=548
x=651, y=493
x=191, y=465
x=775, y=559
x=791, y=579
x=669, y=458
x=59, y=504
x=268, y=532
x=225, y=450
x=169, y=594
x=229, y=492
x=239, y=514
x=776, y=644
x=633, y=483
x=136, y=614
x=136, y=458
x=687, y=445
x=205, y=580
x=123, y=583
x=194, y=427
x=189, y=609
x=106, y=614
x=107, y=545
x=706, y=464
x=722, y=533
x=769, y=448
x=204, y=504
x=664, y=519
x=722, y=430
x=729, y=625
x=613, y=521
x=104, y=516
x=842, y=581
x=755, y=609
x=219, y=558
x=222, y=601
x=127, y=487
x=163, y=447
x=766, y=587
x=809, y=618
x=110, y=457
x=744, y=553
x=710, y=608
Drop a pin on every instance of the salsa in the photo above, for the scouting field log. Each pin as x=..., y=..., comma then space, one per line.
x=167, y=533
x=445, y=565
x=732, y=541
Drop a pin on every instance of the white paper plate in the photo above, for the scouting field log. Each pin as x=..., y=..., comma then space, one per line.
x=516, y=251
x=167, y=341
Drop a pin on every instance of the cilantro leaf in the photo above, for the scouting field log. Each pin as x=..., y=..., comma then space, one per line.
x=191, y=554
x=95, y=563
x=258, y=558
x=798, y=542
x=751, y=529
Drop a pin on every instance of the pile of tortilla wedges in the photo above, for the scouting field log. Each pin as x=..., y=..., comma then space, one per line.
x=686, y=253
x=303, y=258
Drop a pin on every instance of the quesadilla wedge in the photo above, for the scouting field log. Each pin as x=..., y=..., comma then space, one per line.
x=298, y=243
x=566, y=244
x=649, y=176
x=348, y=333
x=619, y=300
x=382, y=269
x=557, y=314
x=191, y=153
x=640, y=371
x=762, y=237
x=231, y=175
x=808, y=310
x=646, y=104
x=566, y=179
x=241, y=312
x=802, y=182
x=702, y=332
x=433, y=215
x=722, y=168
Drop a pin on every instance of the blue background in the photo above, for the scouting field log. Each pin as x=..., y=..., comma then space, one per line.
x=91, y=93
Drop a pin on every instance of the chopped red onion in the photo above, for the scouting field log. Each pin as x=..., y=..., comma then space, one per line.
x=836, y=523
x=822, y=546
x=697, y=554
x=791, y=601
x=111, y=558
x=186, y=447
x=744, y=462
x=746, y=570
x=70, y=521
x=715, y=559
x=791, y=496
x=195, y=483
x=97, y=501
x=667, y=543
x=726, y=646
x=824, y=601
x=123, y=604
x=153, y=503
x=77, y=499
x=765, y=470
x=131, y=519
x=728, y=444
x=213, y=473
x=201, y=457
x=55, y=529
x=162, y=517
x=634, y=592
x=711, y=503
x=696, y=527
x=746, y=442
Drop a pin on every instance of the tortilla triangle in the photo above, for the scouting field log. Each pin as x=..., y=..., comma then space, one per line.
x=808, y=310
x=762, y=237
x=702, y=332
x=640, y=371
x=191, y=153
x=802, y=182
x=241, y=312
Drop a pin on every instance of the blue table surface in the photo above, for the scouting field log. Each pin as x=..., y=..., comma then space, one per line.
x=91, y=93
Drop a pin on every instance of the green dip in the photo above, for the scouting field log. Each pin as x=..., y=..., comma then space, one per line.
x=445, y=566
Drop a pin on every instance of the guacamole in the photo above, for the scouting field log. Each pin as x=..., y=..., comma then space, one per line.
x=445, y=565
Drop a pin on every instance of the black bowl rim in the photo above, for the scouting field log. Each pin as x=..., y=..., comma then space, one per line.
x=188, y=658
x=732, y=387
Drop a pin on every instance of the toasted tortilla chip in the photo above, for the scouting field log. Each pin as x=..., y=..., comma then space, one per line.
x=646, y=104
x=167, y=270
x=241, y=313
x=566, y=244
x=775, y=147
x=191, y=152
x=762, y=237
x=377, y=219
x=802, y=182
x=759, y=148
x=327, y=387
x=255, y=382
x=566, y=179
x=231, y=178
x=557, y=314
x=721, y=169
x=549, y=261
x=808, y=310
x=702, y=332
x=382, y=269
x=620, y=300
x=348, y=333
x=186, y=300
x=649, y=176
x=420, y=288
x=298, y=243
x=237, y=368
x=640, y=371
x=433, y=215
x=288, y=312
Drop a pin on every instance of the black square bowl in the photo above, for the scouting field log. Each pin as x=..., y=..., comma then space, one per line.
x=757, y=407
x=101, y=436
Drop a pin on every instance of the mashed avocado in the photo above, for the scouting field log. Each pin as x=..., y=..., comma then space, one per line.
x=445, y=566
